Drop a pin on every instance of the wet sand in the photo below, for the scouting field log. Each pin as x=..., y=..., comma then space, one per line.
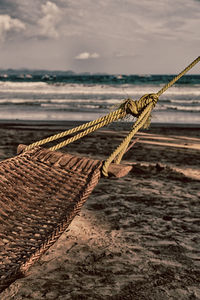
x=137, y=237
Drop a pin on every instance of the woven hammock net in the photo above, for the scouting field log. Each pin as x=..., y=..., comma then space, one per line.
x=41, y=191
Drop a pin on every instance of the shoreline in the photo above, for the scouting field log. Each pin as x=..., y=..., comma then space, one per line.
x=119, y=125
x=68, y=122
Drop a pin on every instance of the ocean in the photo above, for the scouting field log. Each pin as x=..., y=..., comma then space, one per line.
x=57, y=96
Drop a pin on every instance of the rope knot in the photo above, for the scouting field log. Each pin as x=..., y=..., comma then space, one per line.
x=135, y=108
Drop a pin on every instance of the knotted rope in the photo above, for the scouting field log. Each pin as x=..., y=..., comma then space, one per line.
x=141, y=109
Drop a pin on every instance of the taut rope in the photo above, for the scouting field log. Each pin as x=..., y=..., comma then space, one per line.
x=140, y=108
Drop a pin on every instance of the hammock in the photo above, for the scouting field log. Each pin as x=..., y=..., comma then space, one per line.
x=42, y=190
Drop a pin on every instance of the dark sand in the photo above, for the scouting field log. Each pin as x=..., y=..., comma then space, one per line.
x=137, y=237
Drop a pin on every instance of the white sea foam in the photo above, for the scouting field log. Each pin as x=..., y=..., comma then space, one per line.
x=40, y=100
x=185, y=101
x=184, y=108
x=122, y=90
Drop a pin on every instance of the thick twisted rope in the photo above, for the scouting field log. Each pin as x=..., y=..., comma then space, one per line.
x=141, y=109
x=145, y=105
x=135, y=108
x=118, y=114
x=95, y=124
x=128, y=107
x=142, y=121
x=168, y=85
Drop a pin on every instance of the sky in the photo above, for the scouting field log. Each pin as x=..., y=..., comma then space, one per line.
x=100, y=36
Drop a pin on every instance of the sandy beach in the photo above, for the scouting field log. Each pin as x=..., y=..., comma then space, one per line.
x=137, y=237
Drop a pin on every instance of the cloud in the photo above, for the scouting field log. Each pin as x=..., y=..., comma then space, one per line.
x=51, y=18
x=8, y=24
x=150, y=29
x=87, y=55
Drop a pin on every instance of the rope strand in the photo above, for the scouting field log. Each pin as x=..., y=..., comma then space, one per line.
x=119, y=113
x=122, y=147
x=168, y=85
x=115, y=116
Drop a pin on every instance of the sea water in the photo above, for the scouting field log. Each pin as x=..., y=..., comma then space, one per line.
x=58, y=96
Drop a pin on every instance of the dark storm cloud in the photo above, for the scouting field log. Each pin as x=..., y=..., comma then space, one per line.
x=27, y=11
x=7, y=6
x=17, y=10
x=39, y=18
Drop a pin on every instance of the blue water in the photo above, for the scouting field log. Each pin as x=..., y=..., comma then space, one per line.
x=40, y=95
